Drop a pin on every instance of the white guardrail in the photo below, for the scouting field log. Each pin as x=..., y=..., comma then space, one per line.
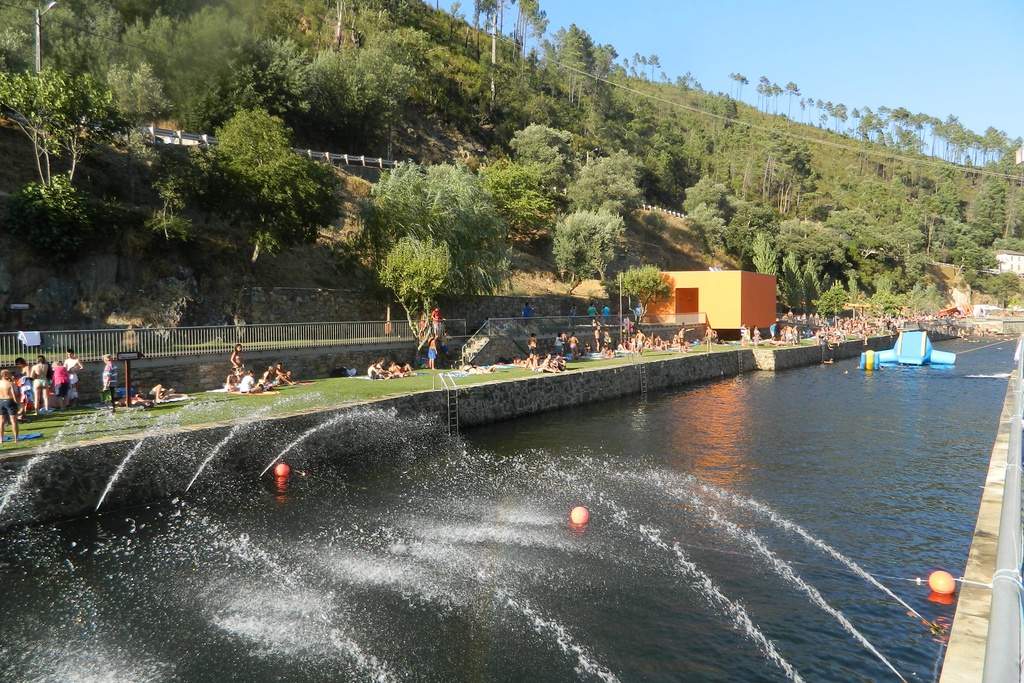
x=178, y=137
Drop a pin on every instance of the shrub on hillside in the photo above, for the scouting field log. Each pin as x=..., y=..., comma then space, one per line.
x=53, y=219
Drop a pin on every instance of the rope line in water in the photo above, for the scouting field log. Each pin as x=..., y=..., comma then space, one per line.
x=960, y=353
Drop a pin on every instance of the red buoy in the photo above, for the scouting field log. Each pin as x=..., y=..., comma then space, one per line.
x=942, y=582
x=579, y=515
x=281, y=469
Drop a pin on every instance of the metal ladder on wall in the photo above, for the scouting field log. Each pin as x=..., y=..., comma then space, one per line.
x=451, y=393
x=642, y=367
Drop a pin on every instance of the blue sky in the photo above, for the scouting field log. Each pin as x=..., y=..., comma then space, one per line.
x=939, y=57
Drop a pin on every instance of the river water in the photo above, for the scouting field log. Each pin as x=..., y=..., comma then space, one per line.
x=726, y=523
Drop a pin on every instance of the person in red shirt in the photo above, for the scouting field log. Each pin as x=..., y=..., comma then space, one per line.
x=435, y=319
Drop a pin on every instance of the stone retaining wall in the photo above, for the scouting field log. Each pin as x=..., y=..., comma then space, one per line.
x=63, y=483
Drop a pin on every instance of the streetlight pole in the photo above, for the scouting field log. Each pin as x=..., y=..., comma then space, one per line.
x=39, y=32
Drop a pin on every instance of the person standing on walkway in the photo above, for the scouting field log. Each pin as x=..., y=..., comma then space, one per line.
x=709, y=337
x=8, y=403
x=432, y=353
x=73, y=366
x=40, y=375
x=572, y=316
x=109, y=379
x=527, y=310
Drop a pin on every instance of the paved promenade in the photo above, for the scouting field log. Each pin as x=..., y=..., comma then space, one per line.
x=965, y=657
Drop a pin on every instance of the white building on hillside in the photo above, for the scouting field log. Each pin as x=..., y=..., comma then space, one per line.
x=1010, y=262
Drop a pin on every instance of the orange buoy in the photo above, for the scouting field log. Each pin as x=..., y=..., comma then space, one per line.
x=281, y=469
x=942, y=582
x=579, y=515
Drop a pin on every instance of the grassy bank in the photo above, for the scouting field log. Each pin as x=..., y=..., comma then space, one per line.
x=86, y=423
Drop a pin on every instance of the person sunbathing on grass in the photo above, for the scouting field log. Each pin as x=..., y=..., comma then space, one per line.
x=377, y=371
x=474, y=369
x=161, y=394
x=248, y=384
x=396, y=370
x=283, y=376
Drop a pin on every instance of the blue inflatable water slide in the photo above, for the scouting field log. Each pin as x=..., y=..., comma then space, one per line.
x=912, y=348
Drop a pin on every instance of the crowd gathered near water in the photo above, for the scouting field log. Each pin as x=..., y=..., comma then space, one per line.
x=29, y=390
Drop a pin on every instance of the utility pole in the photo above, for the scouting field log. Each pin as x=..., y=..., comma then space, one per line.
x=39, y=32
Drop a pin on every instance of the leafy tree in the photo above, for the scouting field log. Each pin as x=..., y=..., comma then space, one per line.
x=647, y=284
x=811, y=285
x=62, y=115
x=448, y=205
x=833, y=301
x=281, y=198
x=137, y=93
x=417, y=271
x=607, y=184
x=547, y=150
x=176, y=182
x=748, y=219
x=269, y=74
x=709, y=224
x=53, y=218
x=584, y=243
x=765, y=255
x=813, y=240
x=518, y=196
x=925, y=299
x=711, y=194
x=791, y=282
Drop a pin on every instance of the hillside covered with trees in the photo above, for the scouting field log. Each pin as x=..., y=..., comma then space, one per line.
x=526, y=148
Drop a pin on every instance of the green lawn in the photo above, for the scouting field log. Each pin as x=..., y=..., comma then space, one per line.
x=87, y=422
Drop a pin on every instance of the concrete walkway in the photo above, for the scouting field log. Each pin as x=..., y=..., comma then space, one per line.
x=965, y=656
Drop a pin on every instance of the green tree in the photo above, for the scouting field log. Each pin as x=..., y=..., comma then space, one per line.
x=811, y=285
x=647, y=284
x=547, y=150
x=281, y=198
x=833, y=301
x=176, y=182
x=791, y=282
x=63, y=116
x=711, y=194
x=417, y=271
x=607, y=184
x=747, y=220
x=447, y=205
x=53, y=218
x=765, y=255
x=518, y=196
x=584, y=242
x=710, y=225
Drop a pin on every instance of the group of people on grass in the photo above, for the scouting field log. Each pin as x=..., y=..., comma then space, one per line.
x=242, y=380
x=34, y=388
x=393, y=371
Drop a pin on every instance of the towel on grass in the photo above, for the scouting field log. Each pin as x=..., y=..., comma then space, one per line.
x=25, y=437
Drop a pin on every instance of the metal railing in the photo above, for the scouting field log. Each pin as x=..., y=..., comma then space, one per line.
x=156, y=342
x=1004, y=645
x=180, y=137
x=552, y=325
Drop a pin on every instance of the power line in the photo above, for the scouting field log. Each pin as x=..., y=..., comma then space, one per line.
x=75, y=27
x=886, y=156
x=82, y=29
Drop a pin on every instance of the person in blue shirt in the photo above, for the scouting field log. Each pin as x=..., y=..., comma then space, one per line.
x=606, y=312
x=527, y=311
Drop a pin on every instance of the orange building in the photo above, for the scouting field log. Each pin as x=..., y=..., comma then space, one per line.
x=729, y=298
